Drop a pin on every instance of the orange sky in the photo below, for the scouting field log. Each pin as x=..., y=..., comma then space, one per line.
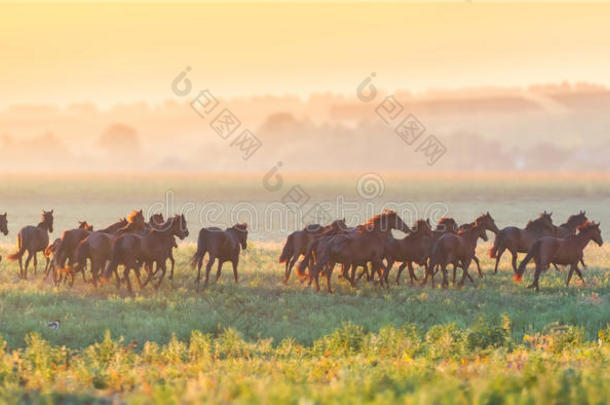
x=110, y=53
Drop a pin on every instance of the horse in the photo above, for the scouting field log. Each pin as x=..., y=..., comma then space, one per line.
x=222, y=245
x=3, y=226
x=489, y=224
x=517, y=240
x=363, y=245
x=134, y=249
x=298, y=242
x=67, y=247
x=411, y=249
x=567, y=251
x=97, y=247
x=456, y=249
x=157, y=221
x=48, y=253
x=34, y=239
x=570, y=226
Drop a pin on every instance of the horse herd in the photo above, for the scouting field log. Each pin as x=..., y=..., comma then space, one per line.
x=372, y=243
x=136, y=244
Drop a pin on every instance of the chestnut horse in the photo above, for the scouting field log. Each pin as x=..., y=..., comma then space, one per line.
x=3, y=226
x=222, y=245
x=456, y=249
x=298, y=242
x=413, y=248
x=566, y=251
x=34, y=239
x=490, y=225
x=97, y=247
x=134, y=249
x=366, y=244
x=517, y=240
x=67, y=247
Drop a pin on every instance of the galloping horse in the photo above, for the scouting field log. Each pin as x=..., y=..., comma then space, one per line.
x=97, y=247
x=67, y=247
x=222, y=245
x=363, y=245
x=3, y=226
x=489, y=224
x=456, y=249
x=34, y=239
x=566, y=251
x=298, y=242
x=413, y=248
x=518, y=240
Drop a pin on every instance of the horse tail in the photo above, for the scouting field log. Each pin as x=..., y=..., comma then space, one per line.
x=494, y=249
x=305, y=262
x=21, y=250
x=288, y=250
x=534, y=250
x=201, y=249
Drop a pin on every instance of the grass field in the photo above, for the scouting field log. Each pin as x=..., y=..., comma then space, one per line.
x=265, y=342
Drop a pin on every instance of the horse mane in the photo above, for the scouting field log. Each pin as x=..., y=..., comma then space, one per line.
x=420, y=224
x=586, y=226
x=241, y=227
x=135, y=214
x=374, y=221
x=536, y=224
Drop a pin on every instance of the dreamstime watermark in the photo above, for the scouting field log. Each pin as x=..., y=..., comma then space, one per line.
x=406, y=126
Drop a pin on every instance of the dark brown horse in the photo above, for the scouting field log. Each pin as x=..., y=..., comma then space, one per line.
x=569, y=228
x=222, y=245
x=298, y=242
x=413, y=248
x=157, y=221
x=517, y=240
x=456, y=249
x=65, y=251
x=32, y=239
x=134, y=249
x=366, y=244
x=567, y=251
x=97, y=247
x=489, y=224
x=3, y=226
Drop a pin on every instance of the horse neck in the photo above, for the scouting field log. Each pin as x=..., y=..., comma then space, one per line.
x=234, y=234
x=44, y=225
x=583, y=240
x=470, y=236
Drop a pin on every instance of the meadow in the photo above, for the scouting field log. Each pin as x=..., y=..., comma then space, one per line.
x=261, y=341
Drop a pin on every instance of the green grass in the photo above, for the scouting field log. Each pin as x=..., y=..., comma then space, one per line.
x=261, y=341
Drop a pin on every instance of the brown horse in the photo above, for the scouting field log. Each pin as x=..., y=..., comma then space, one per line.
x=222, y=245
x=570, y=226
x=157, y=221
x=489, y=224
x=517, y=240
x=134, y=249
x=456, y=249
x=67, y=247
x=566, y=251
x=48, y=254
x=3, y=226
x=97, y=247
x=366, y=244
x=413, y=248
x=34, y=239
x=298, y=242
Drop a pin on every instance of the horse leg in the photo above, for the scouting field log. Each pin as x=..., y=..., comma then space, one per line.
x=584, y=266
x=329, y=274
x=161, y=265
x=235, y=262
x=27, y=263
x=498, y=256
x=289, y=265
x=465, y=274
x=208, y=267
x=445, y=282
x=35, y=263
x=220, y=263
x=412, y=276
x=400, y=269
x=579, y=274
x=536, y=277
x=476, y=261
x=454, y=271
x=126, y=277
x=515, y=256
x=173, y=262
x=569, y=275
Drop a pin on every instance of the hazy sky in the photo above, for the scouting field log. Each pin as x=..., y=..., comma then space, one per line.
x=110, y=53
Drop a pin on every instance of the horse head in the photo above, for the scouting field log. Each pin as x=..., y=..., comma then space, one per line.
x=242, y=232
x=47, y=219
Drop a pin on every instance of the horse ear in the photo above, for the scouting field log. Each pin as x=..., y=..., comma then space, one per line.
x=51, y=211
